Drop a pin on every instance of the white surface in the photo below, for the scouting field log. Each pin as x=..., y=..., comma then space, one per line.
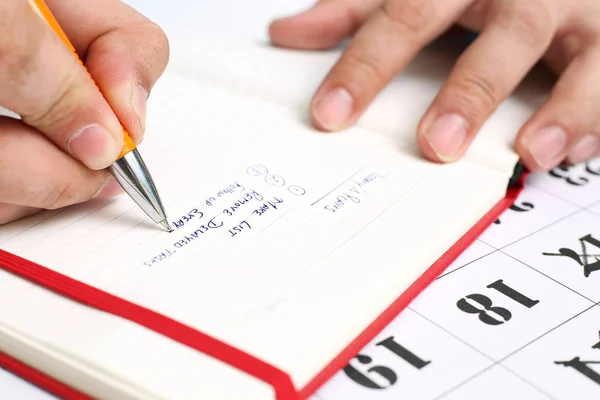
x=248, y=19
x=12, y=387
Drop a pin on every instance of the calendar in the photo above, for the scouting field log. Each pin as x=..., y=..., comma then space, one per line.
x=516, y=316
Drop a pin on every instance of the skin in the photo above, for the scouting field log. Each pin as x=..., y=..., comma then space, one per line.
x=386, y=35
x=64, y=120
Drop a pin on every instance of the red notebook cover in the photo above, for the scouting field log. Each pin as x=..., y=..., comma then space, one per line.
x=206, y=344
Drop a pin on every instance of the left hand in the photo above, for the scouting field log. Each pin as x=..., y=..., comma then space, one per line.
x=515, y=35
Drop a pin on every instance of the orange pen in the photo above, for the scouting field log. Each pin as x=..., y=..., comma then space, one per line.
x=129, y=169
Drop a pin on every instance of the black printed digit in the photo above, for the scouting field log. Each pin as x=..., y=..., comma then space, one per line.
x=583, y=367
x=588, y=257
x=523, y=207
x=403, y=352
x=373, y=374
x=590, y=170
x=597, y=345
x=490, y=314
x=562, y=172
x=506, y=290
x=486, y=306
x=366, y=380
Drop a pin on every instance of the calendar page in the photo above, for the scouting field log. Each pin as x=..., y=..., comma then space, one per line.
x=516, y=316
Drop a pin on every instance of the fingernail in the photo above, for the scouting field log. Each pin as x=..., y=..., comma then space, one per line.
x=94, y=146
x=547, y=144
x=110, y=189
x=333, y=109
x=586, y=148
x=447, y=135
x=139, y=103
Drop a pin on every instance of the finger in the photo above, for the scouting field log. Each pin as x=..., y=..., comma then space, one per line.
x=484, y=76
x=567, y=118
x=56, y=182
x=475, y=17
x=42, y=82
x=586, y=148
x=383, y=46
x=125, y=53
x=323, y=26
x=12, y=212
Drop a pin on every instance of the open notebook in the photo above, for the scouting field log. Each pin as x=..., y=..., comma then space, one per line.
x=291, y=247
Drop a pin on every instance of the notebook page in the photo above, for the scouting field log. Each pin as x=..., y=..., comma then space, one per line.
x=111, y=358
x=277, y=229
x=290, y=77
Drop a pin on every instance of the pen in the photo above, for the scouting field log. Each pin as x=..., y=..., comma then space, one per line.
x=129, y=169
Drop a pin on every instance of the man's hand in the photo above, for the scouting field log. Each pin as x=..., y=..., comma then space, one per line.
x=514, y=36
x=68, y=134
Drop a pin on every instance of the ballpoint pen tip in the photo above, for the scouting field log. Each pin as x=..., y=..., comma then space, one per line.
x=165, y=224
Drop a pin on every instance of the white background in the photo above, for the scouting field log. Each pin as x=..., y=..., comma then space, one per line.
x=184, y=20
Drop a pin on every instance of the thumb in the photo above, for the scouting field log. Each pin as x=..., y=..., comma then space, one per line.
x=323, y=26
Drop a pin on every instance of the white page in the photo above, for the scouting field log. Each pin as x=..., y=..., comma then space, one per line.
x=108, y=357
x=261, y=285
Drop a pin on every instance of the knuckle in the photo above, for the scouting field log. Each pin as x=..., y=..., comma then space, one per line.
x=474, y=94
x=412, y=16
x=363, y=68
x=160, y=40
x=143, y=42
x=71, y=187
x=61, y=108
x=59, y=195
x=153, y=44
x=532, y=21
x=159, y=46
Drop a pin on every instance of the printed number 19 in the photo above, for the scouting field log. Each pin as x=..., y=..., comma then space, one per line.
x=383, y=372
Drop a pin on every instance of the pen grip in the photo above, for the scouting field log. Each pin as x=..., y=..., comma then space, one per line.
x=40, y=7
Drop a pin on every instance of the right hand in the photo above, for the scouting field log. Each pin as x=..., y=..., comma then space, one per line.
x=57, y=154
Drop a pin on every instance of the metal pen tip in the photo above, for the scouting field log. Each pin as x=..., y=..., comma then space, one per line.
x=165, y=224
x=132, y=174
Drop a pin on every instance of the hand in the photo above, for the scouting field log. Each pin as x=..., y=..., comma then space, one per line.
x=57, y=153
x=515, y=35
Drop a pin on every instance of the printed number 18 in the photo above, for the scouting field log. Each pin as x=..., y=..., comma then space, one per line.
x=502, y=314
